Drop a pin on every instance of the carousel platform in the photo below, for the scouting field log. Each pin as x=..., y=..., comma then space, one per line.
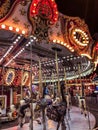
x=77, y=121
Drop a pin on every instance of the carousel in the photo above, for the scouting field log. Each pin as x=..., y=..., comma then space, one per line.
x=44, y=55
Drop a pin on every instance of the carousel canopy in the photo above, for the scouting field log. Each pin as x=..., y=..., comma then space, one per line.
x=29, y=32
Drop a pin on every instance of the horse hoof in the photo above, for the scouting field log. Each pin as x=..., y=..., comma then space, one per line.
x=21, y=125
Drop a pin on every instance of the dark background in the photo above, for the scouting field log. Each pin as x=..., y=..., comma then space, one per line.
x=85, y=9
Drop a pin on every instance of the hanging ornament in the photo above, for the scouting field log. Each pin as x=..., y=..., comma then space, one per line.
x=46, y=9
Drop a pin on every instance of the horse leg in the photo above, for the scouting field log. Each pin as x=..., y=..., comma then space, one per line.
x=63, y=126
x=44, y=120
x=58, y=125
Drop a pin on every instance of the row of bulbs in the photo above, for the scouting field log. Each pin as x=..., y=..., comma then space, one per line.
x=3, y=26
x=82, y=39
x=52, y=62
x=64, y=44
x=22, y=49
x=11, y=47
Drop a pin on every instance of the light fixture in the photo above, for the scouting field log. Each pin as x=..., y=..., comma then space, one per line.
x=3, y=26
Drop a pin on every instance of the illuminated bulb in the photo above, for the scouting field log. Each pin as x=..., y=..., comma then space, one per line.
x=87, y=42
x=31, y=40
x=33, y=11
x=54, y=5
x=34, y=38
x=10, y=28
x=23, y=32
x=34, y=4
x=19, y=37
x=55, y=19
x=54, y=40
x=17, y=29
x=87, y=38
x=67, y=46
x=56, y=12
x=16, y=40
x=72, y=50
x=74, y=33
x=58, y=41
x=62, y=43
x=2, y=26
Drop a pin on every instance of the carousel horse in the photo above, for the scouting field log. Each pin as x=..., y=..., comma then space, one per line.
x=57, y=112
x=12, y=112
x=24, y=105
x=41, y=104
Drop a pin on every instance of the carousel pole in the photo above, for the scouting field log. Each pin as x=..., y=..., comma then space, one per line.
x=57, y=70
x=40, y=78
x=2, y=80
x=1, y=94
x=21, y=86
x=31, y=106
x=82, y=89
x=41, y=92
x=82, y=93
x=65, y=79
x=53, y=84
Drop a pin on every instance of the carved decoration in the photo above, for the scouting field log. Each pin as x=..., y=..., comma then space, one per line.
x=43, y=14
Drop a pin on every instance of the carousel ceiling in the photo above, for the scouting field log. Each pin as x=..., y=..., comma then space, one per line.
x=27, y=36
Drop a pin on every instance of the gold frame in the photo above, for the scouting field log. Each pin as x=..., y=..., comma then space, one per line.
x=3, y=99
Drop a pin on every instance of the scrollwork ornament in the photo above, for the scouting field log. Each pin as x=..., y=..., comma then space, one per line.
x=4, y=7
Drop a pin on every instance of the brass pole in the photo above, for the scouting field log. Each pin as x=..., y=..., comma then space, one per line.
x=53, y=83
x=21, y=85
x=57, y=70
x=40, y=79
x=41, y=92
x=2, y=80
x=31, y=106
x=65, y=80
x=79, y=72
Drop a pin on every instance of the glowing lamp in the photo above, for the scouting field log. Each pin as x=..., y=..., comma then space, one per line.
x=3, y=26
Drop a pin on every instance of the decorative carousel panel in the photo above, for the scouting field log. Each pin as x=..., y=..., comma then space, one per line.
x=43, y=14
x=77, y=35
x=17, y=21
x=9, y=77
x=46, y=9
x=25, y=78
x=3, y=101
x=17, y=79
